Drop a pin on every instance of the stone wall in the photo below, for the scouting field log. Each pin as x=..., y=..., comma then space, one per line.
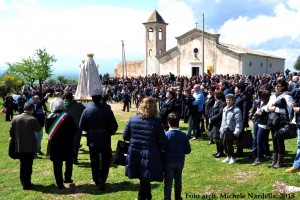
x=134, y=69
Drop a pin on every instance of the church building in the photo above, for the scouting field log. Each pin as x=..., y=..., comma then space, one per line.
x=195, y=53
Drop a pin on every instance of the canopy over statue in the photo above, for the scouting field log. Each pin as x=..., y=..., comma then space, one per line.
x=89, y=83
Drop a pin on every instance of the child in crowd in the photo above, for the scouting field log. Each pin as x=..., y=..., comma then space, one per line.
x=178, y=145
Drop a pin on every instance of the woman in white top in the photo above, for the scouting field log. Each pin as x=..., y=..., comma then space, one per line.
x=280, y=108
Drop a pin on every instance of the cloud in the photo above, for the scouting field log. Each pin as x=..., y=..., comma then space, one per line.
x=257, y=32
x=180, y=17
x=72, y=33
x=2, y=5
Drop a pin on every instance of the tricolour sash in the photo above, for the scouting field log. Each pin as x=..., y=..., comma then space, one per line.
x=56, y=124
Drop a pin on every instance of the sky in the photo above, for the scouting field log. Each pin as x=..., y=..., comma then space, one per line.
x=70, y=29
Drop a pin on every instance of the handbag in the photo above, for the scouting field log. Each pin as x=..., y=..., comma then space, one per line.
x=121, y=153
x=288, y=131
x=245, y=140
x=11, y=149
x=4, y=110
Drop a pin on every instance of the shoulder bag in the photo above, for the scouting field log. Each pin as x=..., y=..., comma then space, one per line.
x=11, y=149
x=121, y=153
x=287, y=131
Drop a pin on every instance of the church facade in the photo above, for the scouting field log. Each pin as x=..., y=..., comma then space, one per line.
x=195, y=53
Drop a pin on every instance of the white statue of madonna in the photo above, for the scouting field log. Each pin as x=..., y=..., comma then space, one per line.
x=89, y=82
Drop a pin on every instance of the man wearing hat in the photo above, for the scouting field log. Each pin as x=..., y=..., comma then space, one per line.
x=100, y=124
x=23, y=128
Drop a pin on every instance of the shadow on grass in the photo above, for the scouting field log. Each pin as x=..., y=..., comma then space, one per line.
x=90, y=188
x=86, y=164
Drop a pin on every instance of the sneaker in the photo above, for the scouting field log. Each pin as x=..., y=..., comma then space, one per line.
x=41, y=153
x=194, y=138
x=256, y=162
x=232, y=161
x=219, y=155
x=292, y=170
x=210, y=142
x=226, y=160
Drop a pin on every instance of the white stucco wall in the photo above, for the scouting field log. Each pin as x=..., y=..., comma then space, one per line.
x=262, y=65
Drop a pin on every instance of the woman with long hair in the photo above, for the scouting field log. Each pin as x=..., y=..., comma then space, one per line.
x=147, y=139
x=279, y=108
x=261, y=116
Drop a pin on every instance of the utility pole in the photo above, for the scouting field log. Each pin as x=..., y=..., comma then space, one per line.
x=122, y=57
x=123, y=60
x=203, y=47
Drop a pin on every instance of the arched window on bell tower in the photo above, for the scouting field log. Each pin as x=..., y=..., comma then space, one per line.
x=160, y=34
x=150, y=34
x=150, y=52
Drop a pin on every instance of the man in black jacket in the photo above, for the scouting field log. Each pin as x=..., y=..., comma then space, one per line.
x=100, y=124
x=242, y=100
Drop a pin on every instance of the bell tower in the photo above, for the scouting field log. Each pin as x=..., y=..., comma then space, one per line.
x=155, y=40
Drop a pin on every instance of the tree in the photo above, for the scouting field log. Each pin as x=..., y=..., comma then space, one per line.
x=10, y=83
x=51, y=82
x=62, y=79
x=297, y=64
x=36, y=68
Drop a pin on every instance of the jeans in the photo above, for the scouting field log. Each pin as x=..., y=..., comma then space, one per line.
x=173, y=171
x=100, y=172
x=296, y=163
x=263, y=147
x=191, y=128
x=39, y=137
x=254, y=147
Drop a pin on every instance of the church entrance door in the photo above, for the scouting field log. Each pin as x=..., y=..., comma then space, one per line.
x=195, y=71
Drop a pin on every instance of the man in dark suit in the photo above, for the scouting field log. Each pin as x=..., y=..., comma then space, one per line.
x=23, y=128
x=100, y=124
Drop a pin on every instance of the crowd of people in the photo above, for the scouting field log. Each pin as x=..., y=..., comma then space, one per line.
x=219, y=105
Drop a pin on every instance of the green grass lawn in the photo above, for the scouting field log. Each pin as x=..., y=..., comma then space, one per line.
x=202, y=175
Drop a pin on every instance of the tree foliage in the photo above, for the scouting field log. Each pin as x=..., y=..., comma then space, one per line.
x=62, y=79
x=10, y=83
x=297, y=64
x=35, y=68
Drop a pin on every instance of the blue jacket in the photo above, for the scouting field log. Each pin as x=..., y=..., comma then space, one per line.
x=178, y=145
x=147, y=141
x=199, y=100
x=100, y=123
